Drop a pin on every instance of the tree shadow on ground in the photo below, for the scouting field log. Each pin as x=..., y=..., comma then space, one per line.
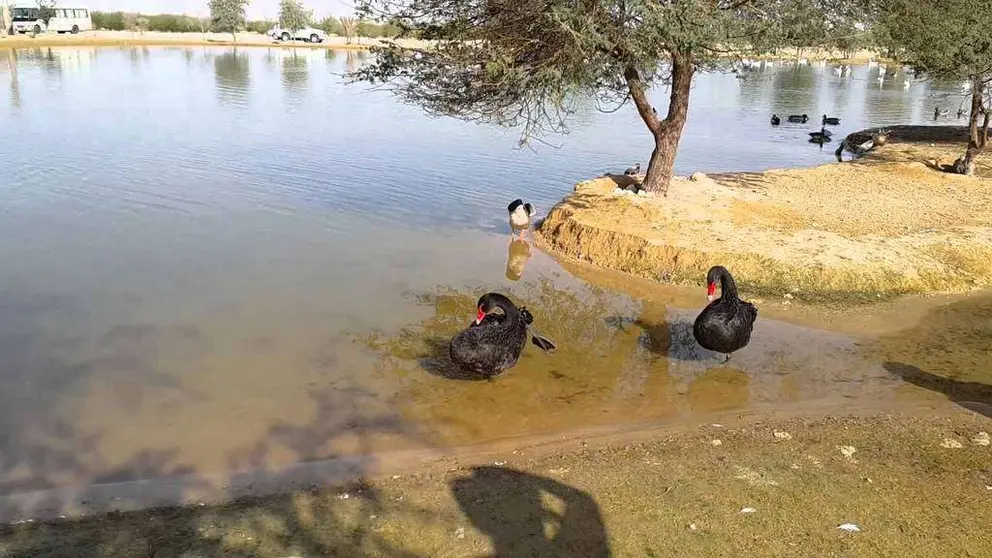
x=266, y=503
x=528, y=515
x=673, y=339
x=947, y=352
x=975, y=396
x=622, y=180
x=261, y=510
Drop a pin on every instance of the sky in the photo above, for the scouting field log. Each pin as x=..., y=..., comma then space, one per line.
x=257, y=9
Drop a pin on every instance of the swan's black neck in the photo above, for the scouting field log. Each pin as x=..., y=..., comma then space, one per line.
x=496, y=300
x=728, y=287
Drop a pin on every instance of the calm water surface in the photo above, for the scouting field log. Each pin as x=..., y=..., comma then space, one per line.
x=219, y=260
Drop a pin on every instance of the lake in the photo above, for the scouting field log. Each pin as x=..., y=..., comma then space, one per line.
x=221, y=260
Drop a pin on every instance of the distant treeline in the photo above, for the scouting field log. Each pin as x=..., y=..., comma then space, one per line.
x=120, y=21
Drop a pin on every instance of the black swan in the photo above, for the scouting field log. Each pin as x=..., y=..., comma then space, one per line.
x=823, y=133
x=830, y=120
x=493, y=342
x=725, y=325
x=798, y=118
x=776, y=120
x=520, y=214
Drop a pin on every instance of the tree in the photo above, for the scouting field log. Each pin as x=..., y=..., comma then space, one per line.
x=141, y=24
x=293, y=16
x=228, y=15
x=331, y=26
x=46, y=10
x=948, y=39
x=528, y=62
x=349, y=26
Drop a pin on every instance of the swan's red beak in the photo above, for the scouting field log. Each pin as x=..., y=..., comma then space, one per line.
x=480, y=316
x=710, y=291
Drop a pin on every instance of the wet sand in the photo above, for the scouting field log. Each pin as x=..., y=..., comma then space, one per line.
x=915, y=483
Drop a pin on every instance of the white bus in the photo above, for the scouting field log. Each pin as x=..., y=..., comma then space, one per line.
x=27, y=19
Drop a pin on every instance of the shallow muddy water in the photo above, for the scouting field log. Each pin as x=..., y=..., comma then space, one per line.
x=220, y=260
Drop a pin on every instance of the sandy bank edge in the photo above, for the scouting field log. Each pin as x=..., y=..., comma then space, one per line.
x=901, y=477
x=736, y=220
x=74, y=501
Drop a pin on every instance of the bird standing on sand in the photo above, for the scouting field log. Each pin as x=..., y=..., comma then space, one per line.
x=520, y=214
x=633, y=171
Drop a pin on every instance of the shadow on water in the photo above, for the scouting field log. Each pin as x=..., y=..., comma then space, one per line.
x=976, y=396
x=310, y=522
x=528, y=515
x=232, y=73
x=947, y=352
x=519, y=252
x=49, y=466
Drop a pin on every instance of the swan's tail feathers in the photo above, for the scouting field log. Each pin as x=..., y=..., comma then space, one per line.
x=543, y=343
x=528, y=317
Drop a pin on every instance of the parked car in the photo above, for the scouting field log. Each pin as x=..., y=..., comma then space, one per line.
x=308, y=34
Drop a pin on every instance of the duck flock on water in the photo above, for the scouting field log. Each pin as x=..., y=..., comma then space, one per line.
x=493, y=342
x=821, y=136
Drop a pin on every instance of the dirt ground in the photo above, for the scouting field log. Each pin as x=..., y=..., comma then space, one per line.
x=901, y=485
x=887, y=224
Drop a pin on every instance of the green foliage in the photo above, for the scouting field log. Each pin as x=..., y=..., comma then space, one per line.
x=46, y=10
x=522, y=62
x=228, y=15
x=293, y=15
x=331, y=26
x=943, y=38
x=173, y=23
x=349, y=27
x=259, y=26
x=111, y=21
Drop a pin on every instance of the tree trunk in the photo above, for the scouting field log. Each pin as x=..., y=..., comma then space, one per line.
x=976, y=137
x=669, y=131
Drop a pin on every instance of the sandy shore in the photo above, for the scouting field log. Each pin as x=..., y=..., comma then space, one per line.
x=121, y=38
x=153, y=38
x=888, y=224
x=901, y=485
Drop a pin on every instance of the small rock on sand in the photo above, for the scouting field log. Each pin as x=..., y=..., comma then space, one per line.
x=460, y=533
x=782, y=435
x=849, y=527
x=848, y=452
x=981, y=439
x=748, y=510
x=951, y=443
x=717, y=442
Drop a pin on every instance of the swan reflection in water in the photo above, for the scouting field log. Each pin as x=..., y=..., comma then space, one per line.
x=519, y=253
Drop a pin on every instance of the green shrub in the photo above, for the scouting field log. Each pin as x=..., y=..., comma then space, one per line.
x=260, y=26
x=111, y=21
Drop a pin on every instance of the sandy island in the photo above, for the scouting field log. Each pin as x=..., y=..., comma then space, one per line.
x=887, y=224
